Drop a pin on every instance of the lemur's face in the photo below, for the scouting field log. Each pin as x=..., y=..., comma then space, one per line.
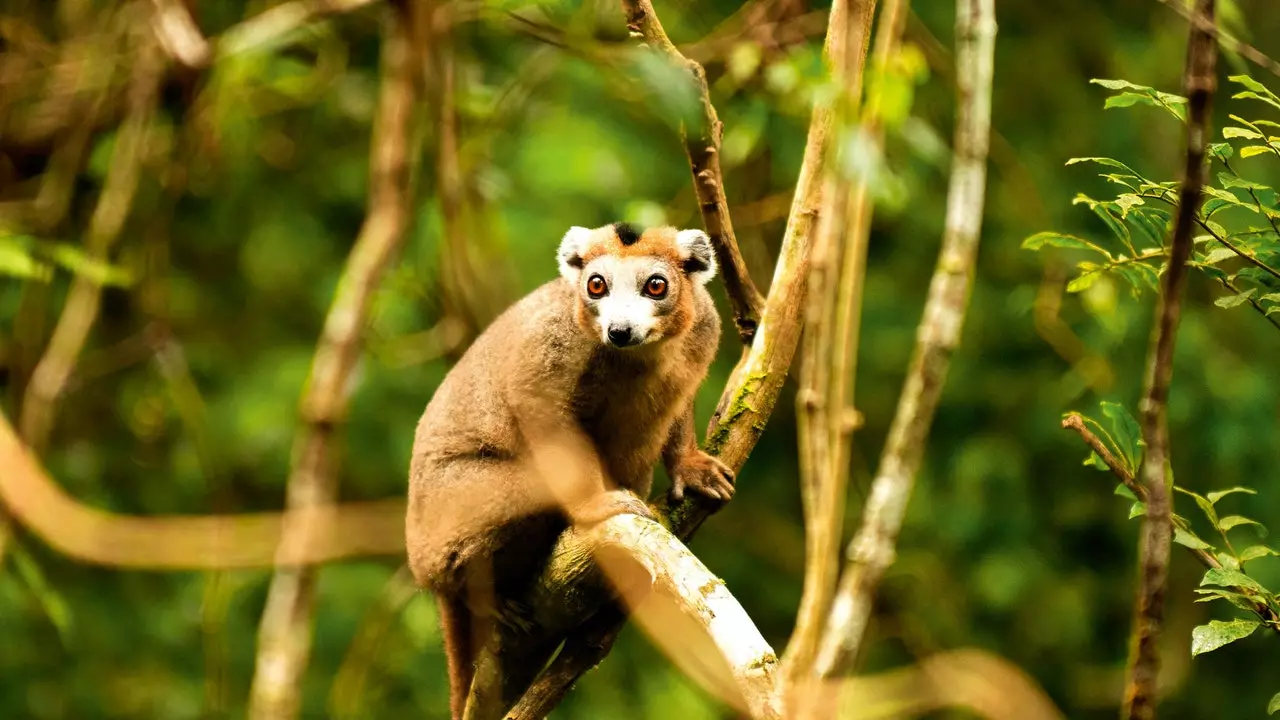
x=636, y=289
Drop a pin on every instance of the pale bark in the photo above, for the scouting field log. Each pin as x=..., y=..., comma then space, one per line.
x=284, y=634
x=872, y=550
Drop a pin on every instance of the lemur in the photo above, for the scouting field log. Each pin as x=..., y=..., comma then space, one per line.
x=603, y=360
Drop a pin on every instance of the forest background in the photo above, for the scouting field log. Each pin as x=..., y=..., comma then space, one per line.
x=253, y=185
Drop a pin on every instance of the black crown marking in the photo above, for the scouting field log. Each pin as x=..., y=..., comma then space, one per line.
x=627, y=233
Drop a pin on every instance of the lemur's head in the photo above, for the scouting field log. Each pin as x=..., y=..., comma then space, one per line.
x=636, y=288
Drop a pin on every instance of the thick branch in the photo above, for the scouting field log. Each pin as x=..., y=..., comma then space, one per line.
x=284, y=636
x=873, y=547
x=1144, y=659
x=702, y=144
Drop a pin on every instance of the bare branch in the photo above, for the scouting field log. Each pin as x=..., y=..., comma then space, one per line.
x=1156, y=539
x=179, y=35
x=825, y=412
x=703, y=147
x=1228, y=41
x=284, y=636
x=873, y=547
x=49, y=379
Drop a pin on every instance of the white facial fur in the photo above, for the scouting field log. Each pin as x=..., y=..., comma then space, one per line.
x=625, y=308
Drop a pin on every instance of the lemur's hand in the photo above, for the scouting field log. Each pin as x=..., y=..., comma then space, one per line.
x=609, y=503
x=704, y=475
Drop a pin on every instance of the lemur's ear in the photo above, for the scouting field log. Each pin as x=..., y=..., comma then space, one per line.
x=698, y=256
x=572, y=246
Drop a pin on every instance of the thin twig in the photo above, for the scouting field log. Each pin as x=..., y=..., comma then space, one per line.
x=51, y=374
x=702, y=144
x=1156, y=535
x=1228, y=41
x=872, y=549
x=284, y=635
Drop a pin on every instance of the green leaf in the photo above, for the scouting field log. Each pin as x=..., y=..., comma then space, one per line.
x=16, y=261
x=1232, y=521
x=1217, y=495
x=1123, y=491
x=81, y=263
x=1137, y=509
x=1205, y=506
x=1126, y=433
x=1083, y=282
x=1251, y=150
x=1255, y=552
x=1059, y=240
x=1230, y=301
x=1235, y=132
x=1207, y=638
x=49, y=599
x=1240, y=601
x=1217, y=255
x=1274, y=705
x=1132, y=94
x=1222, y=577
x=1222, y=151
x=1188, y=539
x=1109, y=162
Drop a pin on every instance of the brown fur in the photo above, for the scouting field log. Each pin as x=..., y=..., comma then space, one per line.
x=540, y=374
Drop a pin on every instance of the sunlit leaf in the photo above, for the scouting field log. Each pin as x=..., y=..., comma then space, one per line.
x=1222, y=577
x=1207, y=638
x=1251, y=150
x=1211, y=594
x=1189, y=539
x=1205, y=506
x=1060, y=240
x=1126, y=433
x=1246, y=133
x=1217, y=495
x=1123, y=491
x=1137, y=509
x=1274, y=705
x=1232, y=521
x=1230, y=301
x=1255, y=552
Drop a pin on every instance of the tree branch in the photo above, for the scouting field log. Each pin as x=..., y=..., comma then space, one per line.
x=825, y=411
x=284, y=636
x=873, y=547
x=702, y=145
x=1144, y=659
x=1074, y=422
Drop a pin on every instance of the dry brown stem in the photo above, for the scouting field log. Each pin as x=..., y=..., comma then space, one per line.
x=284, y=636
x=702, y=144
x=1157, y=528
x=49, y=379
x=873, y=547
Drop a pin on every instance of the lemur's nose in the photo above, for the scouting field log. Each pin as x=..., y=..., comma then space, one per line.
x=620, y=336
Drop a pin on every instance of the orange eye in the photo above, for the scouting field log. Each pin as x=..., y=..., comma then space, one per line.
x=656, y=287
x=596, y=286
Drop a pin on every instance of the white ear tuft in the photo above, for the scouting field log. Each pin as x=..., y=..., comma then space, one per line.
x=569, y=255
x=698, y=255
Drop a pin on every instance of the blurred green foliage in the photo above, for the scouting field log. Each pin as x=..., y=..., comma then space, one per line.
x=235, y=244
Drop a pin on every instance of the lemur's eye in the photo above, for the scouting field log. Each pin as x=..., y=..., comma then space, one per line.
x=596, y=286
x=656, y=287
